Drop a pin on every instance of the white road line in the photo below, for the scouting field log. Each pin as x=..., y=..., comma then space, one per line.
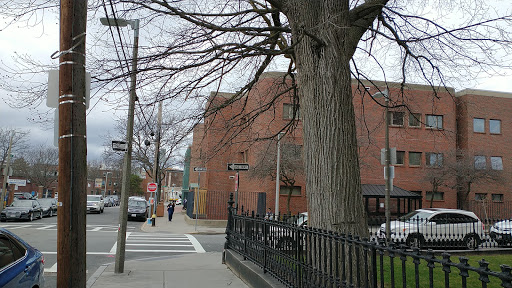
x=158, y=241
x=45, y=227
x=114, y=248
x=197, y=245
x=161, y=245
x=130, y=250
x=163, y=251
x=96, y=229
x=53, y=269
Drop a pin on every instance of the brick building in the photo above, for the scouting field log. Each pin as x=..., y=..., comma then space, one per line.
x=426, y=135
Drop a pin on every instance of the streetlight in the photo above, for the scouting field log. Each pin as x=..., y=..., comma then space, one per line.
x=123, y=214
x=279, y=136
x=106, y=178
x=387, y=169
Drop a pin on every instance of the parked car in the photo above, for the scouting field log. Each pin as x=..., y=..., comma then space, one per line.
x=95, y=203
x=286, y=238
x=436, y=227
x=137, y=209
x=23, y=195
x=49, y=206
x=501, y=232
x=178, y=201
x=22, y=210
x=21, y=265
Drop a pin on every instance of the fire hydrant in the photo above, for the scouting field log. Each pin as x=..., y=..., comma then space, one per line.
x=153, y=219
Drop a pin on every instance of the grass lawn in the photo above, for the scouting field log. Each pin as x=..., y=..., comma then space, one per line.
x=495, y=260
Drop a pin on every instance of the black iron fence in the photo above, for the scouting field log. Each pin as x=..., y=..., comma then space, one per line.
x=301, y=256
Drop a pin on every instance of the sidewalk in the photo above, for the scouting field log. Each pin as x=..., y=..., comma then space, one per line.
x=190, y=270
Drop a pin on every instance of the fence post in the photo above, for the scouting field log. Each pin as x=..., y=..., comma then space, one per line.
x=229, y=226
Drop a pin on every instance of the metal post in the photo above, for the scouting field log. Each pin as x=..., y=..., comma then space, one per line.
x=279, y=136
x=123, y=209
x=388, y=173
x=6, y=173
x=196, y=197
x=157, y=158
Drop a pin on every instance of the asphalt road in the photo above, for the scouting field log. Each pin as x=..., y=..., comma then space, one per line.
x=101, y=241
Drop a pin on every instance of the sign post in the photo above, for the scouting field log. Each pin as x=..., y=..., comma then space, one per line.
x=196, y=195
x=237, y=167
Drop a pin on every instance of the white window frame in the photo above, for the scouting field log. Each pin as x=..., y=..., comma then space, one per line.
x=433, y=121
x=415, y=117
x=478, y=125
x=480, y=162
x=494, y=131
x=496, y=163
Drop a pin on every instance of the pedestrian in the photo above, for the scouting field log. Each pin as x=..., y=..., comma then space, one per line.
x=185, y=204
x=170, y=210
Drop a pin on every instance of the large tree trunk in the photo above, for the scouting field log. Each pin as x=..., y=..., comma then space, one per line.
x=331, y=160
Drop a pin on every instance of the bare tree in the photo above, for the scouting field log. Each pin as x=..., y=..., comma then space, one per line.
x=291, y=166
x=19, y=143
x=459, y=171
x=226, y=45
x=43, y=163
x=469, y=172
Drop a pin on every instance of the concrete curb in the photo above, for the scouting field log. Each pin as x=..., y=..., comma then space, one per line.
x=96, y=275
x=251, y=274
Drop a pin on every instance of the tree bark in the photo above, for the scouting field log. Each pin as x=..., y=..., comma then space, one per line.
x=331, y=160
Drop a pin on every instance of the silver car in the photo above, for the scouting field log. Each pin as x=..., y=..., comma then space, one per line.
x=436, y=227
x=95, y=204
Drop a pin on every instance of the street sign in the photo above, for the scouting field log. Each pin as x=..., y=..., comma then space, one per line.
x=152, y=187
x=238, y=166
x=119, y=146
x=199, y=169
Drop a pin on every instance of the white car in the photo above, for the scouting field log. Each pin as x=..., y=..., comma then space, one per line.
x=436, y=227
x=95, y=203
x=501, y=232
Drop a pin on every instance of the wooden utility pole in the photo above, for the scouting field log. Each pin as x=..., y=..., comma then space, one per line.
x=71, y=221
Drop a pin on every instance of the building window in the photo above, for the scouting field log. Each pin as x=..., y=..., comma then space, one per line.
x=414, y=119
x=480, y=196
x=396, y=118
x=480, y=162
x=434, y=159
x=414, y=158
x=434, y=121
x=495, y=126
x=497, y=197
x=295, y=190
x=478, y=125
x=437, y=196
x=496, y=163
x=289, y=110
x=245, y=155
x=400, y=156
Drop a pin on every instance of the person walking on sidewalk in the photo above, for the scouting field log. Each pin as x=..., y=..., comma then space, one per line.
x=170, y=210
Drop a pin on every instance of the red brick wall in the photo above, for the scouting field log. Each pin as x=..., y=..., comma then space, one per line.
x=371, y=137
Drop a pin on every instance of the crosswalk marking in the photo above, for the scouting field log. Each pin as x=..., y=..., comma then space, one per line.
x=160, y=243
x=53, y=227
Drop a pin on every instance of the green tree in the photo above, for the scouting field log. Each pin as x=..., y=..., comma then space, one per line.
x=135, y=185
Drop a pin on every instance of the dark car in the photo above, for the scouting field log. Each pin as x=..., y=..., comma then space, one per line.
x=137, y=209
x=49, y=206
x=21, y=265
x=22, y=210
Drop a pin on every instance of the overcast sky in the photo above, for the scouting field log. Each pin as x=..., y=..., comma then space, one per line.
x=40, y=43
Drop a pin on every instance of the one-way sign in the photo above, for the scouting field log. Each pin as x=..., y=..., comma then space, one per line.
x=238, y=166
